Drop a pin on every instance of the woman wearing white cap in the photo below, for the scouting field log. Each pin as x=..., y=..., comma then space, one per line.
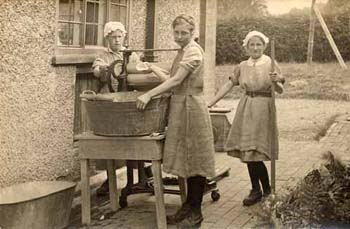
x=250, y=134
x=114, y=33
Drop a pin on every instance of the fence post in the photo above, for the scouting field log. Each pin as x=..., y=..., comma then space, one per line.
x=310, y=46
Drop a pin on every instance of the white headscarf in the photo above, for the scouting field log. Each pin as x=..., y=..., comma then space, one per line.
x=253, y=34
x=113, y=26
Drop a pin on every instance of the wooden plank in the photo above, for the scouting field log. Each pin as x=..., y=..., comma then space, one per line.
x=273, y=122
x=112, y=183
x=123, y=150
x=158, y=190
x=85, y=192
x=311, y=34
x=83, y=82
x=90, y=136
x=329, y=37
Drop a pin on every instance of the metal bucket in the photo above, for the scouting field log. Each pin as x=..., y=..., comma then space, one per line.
x=115, y=114
x=39, y=205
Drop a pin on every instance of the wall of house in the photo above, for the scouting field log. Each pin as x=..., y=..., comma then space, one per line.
x=169, y=9
x=137, y=32
x=36, y=99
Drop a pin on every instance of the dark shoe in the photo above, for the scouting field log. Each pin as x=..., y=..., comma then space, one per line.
x=267, y=192
x=253, y=198
x=103, y=190
x=192, y=220
x=180, y=214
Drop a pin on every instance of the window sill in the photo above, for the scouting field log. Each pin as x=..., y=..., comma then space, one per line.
x=75, y=56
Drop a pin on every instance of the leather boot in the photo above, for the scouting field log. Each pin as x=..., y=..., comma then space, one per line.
x=179, y=215
x=253, y=198
x=192, y=220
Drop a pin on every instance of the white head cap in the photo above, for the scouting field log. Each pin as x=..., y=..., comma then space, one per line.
x=113, y=26
x=253, y=34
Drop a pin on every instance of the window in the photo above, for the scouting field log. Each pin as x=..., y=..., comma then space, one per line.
x=81, y=22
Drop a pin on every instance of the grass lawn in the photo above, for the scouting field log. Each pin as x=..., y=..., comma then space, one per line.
x=325, y=81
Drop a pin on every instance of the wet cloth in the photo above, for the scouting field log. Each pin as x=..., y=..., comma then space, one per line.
x=250, y=135
x=189, y=144
x=107, y=57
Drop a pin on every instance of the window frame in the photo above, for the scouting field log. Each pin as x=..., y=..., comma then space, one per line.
x=84, y=54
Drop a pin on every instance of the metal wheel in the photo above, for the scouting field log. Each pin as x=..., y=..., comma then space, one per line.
x=215, y=195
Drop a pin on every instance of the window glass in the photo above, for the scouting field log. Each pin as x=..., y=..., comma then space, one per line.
x=73, y=22
x=69, y=34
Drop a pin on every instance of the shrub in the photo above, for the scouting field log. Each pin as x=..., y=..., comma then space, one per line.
x=291, y=36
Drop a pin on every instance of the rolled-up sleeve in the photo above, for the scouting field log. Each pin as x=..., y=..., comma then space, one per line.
x=99, y=60
x=192, y=59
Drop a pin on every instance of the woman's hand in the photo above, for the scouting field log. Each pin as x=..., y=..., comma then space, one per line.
x=100, y=71
x=142, y=101
x=276, y=77
x=148, y=65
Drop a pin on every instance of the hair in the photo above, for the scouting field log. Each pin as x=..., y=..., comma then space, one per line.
x=184, y=18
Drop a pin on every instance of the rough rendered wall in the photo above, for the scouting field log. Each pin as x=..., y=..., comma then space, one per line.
x=137, y=33
x=36, y=99
x=167, y=11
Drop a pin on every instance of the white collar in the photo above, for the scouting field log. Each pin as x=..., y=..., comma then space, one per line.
x=257, y=62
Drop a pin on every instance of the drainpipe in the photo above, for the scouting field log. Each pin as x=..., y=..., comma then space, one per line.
x=150, y=31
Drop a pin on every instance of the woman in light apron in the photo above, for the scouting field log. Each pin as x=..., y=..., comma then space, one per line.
x=189, y=144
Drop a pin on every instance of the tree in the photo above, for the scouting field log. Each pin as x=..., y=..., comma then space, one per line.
x=239, y=9
x=299, y=12
x=337, y=7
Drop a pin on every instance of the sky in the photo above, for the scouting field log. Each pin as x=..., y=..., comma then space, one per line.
x=284, y=6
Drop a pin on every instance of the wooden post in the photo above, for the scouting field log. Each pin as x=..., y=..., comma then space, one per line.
x=329, y=37
x=273, y=122
x=207, y=40
x=310, y=46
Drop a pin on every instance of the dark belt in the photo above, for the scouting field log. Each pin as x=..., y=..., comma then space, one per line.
x=258, y=93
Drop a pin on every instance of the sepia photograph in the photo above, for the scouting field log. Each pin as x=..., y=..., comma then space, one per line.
x=178, y=114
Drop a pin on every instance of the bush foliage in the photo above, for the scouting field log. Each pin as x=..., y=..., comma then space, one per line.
x=291, y=37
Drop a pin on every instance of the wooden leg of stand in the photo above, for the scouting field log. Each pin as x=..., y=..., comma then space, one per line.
x=85, y=192
x=158, y=190
x=112, y=183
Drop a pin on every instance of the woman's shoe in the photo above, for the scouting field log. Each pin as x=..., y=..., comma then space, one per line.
x=180, y=214
x=192, y=220
x=253, y=198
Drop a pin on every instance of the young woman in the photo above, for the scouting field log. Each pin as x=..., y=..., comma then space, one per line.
x=189, y=145
x=114, y=33
x=250, y=135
